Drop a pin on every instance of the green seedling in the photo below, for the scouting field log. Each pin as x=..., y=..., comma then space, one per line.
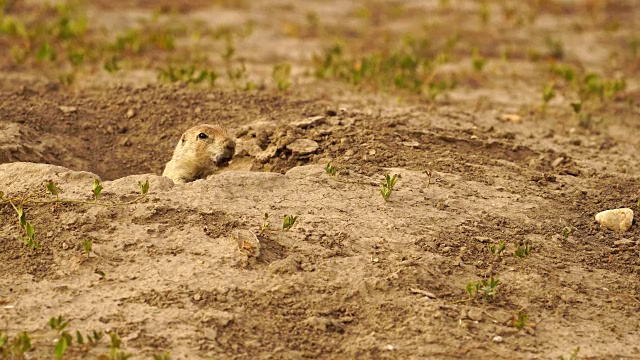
x=485, y=12
x=555, y=47
x=16, y=347
x=488, y=288
x=97, y=189
x=58, y=324
x=87, y=246
x=95, y=337
x=478, y=60
x=53, y=189
x=288, y=222
x=472, y=289
x=100, y=273
x=566, y=231
x=144, y=187
x=522, y=251
x=573, y=355
x=164, y=356
x=330, y=170
x=46, y=53
x=496, y=250
x=485, y=287
x=265, y=223
x=548, y=92
x=115, y=353
x=387, y=186
x=577, y=107
x=61, y=345
x=187, y=75
x=111, y=64
x=521, y=321
x=281, y=76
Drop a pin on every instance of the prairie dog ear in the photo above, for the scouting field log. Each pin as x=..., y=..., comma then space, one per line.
x=182, y=140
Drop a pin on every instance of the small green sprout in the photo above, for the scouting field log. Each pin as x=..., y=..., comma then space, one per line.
x=566, y=231
x=53, y=189
x=265, y=223
x=111, y=65
x=95, y=337
x=521, y=321
x=61, y=345
x=100, y=273
x=288, y=222
x=144, y=188
x=16, y=348
x=330, y=169
x=573, y=355
x=46, y=53
x=97, y=189
x=548, y=92
x=114, y=348
x=488, y=287
x=577, y=107
x=281, y=75
x=496, y=251
x=164, y=356
x=58, y=324
x=387, y=186
x=30, y=237
x=87, y=246
x=478, y=60
x=472, y=288
x=522, y=251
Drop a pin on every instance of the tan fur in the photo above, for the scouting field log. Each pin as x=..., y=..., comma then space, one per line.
x=195, y=158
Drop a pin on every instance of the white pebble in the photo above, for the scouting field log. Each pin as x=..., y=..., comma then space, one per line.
x=616, y=219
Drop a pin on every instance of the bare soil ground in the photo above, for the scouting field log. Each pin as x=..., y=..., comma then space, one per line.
x=481, y=160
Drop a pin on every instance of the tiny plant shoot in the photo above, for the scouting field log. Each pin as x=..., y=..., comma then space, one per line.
x=97, y=189
x=288, y=222
x=498, y=250
x=331, y=170
x=522, y=251
x=387, y=186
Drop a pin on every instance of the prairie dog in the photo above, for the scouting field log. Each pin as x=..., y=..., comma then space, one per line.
x=199, y=153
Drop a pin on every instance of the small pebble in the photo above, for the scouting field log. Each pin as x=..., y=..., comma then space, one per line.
x=497, y=339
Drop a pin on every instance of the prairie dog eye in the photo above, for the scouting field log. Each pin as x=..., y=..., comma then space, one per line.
x=203, y=136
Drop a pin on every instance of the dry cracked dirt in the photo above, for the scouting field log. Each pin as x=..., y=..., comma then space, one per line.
x=518, y=130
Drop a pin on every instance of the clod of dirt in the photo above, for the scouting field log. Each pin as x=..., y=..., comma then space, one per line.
x=267, y=154
x=309, y=122
x=67, y=109
x=248, y=242
x=303, y=147
x=616, y=219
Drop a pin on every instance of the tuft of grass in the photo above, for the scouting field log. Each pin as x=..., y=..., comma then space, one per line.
x=87, y=246
x=330, y=170
x=387, y=186
x=281, y=76
x=548, y=92
x=411, y=66
x=478, y=60
x=187, y=74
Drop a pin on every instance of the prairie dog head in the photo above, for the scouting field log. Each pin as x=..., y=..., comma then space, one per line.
x=200, y=151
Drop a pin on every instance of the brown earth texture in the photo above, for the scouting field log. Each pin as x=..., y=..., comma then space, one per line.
x=509, y=125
